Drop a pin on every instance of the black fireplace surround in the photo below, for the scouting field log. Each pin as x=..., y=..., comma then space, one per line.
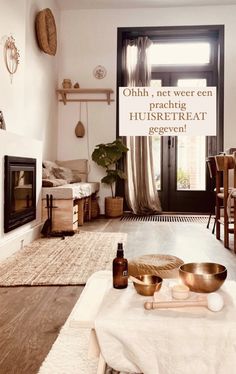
x=19, y=191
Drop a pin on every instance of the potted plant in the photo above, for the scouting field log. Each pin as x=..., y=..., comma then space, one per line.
x=107, y=156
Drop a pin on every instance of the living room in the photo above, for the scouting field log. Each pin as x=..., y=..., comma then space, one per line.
x=40, y=126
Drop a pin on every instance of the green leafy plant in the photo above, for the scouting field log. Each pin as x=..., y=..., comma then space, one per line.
x=183, y=179
x=107, y=156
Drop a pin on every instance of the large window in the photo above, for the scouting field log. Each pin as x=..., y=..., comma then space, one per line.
x=180, y=53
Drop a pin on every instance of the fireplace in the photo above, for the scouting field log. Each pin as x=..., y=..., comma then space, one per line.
x=19, y=192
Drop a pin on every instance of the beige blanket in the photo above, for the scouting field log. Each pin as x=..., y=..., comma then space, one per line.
x=178, y=341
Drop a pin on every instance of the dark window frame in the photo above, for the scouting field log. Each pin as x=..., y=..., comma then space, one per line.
x=213, y=33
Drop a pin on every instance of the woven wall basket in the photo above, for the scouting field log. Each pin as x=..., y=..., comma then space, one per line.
x=46, y=31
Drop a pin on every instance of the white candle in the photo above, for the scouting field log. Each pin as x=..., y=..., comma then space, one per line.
x=180, y=292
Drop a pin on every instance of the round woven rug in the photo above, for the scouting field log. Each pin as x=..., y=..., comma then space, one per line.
x=166, y=266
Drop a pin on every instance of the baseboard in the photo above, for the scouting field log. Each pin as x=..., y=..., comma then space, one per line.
x=15, y=243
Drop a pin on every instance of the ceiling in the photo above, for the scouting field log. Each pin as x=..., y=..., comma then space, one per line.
x=119, y=4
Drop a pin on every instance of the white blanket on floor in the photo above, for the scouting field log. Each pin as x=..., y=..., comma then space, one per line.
x=169, y=341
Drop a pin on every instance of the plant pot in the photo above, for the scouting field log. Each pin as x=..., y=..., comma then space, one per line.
x=114, y=206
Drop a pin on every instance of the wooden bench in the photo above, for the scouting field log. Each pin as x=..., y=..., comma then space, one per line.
x=68, y=214
x=72, y=201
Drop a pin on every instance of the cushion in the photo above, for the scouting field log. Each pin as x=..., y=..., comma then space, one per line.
x=62, y=173
x=53, y=182
x=73, y=171
x=81, y=165
x=69, y=175
x=71, y=191
x=75, y=176
x=166, y=266
x=45, y=173
x=49, y=164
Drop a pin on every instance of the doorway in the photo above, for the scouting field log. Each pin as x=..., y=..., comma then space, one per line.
x=179, y=162
x=183, y=57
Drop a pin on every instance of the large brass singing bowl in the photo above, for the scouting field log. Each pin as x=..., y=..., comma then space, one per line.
x=153, y=284
x=203, y=276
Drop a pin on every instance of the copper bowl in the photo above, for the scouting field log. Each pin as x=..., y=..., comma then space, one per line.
x=203, y=276
x=154, y=284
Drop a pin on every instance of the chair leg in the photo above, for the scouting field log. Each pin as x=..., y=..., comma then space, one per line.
x=234, y=225
x=217, y=220
x=226, y=229
x=214, y=225
x=209, y=220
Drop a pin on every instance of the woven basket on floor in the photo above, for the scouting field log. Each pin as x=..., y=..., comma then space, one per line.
x=46, y=31
x=95, y=210
x=114, y=206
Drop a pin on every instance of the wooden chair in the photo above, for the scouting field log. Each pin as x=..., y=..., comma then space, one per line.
x=211, y=165
x=225, y=163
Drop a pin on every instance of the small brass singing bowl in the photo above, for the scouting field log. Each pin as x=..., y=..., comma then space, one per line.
x=153, y=284
x=203, y=276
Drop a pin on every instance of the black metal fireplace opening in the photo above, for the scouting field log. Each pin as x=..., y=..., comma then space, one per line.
x=19, y=191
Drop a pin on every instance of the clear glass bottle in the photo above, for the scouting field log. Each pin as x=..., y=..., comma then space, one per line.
x=120, y=269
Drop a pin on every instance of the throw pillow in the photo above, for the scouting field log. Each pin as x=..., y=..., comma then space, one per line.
x=45, y=173
x=75, y=176
x=62, y=173
x=49, y=164
x=53, y=182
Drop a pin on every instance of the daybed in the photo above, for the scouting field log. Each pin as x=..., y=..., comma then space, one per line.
x=67, y=182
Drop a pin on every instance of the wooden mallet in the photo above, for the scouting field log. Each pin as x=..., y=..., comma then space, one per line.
x=213, y=302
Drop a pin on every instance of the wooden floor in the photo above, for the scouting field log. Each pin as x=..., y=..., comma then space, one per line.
x=31, y=317
x=30, y=320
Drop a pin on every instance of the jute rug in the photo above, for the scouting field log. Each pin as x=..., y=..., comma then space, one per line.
x=56, y=261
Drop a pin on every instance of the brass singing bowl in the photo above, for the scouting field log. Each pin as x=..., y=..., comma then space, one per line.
x=203, y=276
x=153, y=284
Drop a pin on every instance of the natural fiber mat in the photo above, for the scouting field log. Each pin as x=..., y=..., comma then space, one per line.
x=69, y=353
x=57, y=261
x=165, y=218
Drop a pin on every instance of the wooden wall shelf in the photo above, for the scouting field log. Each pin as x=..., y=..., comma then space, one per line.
x=85, y=91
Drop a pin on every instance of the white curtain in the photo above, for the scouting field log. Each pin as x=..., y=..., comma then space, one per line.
x=140, y=189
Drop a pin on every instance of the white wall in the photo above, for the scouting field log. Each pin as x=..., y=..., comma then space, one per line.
x=41, y=74
x=12, y=17
x=89, y=38
x=29, y=103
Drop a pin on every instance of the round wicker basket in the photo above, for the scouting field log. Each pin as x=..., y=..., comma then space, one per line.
x=114, y=206
x=46, y=31
x=165, y=266
x=66, y=83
